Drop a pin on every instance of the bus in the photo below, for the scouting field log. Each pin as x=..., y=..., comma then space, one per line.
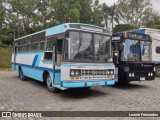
x=132, y=56
x=155, y=34
x=70, y=55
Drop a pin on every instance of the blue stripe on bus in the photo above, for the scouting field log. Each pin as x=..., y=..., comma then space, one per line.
x=34, y=60
x=89, y=83
x=40, y=68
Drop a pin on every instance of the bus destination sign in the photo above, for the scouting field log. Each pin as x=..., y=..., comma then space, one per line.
x=138, y=36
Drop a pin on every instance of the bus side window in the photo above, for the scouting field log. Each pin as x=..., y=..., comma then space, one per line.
x=20, y=45
x=42, y=42
x=50, y=49
x=48, y=55
x=158, y=49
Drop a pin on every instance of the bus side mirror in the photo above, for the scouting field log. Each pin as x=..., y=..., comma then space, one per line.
x=58, y=61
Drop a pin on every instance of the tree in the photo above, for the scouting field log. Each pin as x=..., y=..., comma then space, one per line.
x=22, y=17
x=5, y=35
x=154, y=22
x=97, y=14
x=122, y=27
x=109, y=13
x=137, y=13
x=66, y=11
x=85, y=11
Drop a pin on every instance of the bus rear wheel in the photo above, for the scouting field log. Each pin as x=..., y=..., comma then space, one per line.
x=158, y=70
x=21, y=75
x=49, y=85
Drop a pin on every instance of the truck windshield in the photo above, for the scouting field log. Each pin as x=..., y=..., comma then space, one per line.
x=88, y=47
x=133, y=50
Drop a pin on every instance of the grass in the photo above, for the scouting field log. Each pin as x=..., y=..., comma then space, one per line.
x=5, y=57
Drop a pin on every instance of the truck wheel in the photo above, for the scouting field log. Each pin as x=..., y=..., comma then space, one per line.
x=49, y=85
x=158, y=70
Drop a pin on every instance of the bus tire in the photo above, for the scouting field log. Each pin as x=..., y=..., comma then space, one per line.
x=49, y=85
x=158, y=71
x=21, y=75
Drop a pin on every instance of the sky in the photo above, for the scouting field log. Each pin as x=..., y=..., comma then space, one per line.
x=155, y=3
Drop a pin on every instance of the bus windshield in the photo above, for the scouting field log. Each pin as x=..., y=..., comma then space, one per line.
x=145, y=50
x=88, y=47
x=133, y=50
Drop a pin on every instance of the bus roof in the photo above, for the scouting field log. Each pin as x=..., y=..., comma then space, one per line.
x=66, y=26
x=30, y=35
x=150, y=29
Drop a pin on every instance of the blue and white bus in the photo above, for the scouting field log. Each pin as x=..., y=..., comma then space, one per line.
x=70, y=55
x=155, y=34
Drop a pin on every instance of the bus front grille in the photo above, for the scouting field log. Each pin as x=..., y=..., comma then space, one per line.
x=93, y=72
x=141, y=69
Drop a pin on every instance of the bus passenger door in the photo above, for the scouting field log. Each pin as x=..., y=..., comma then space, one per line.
x=57, y=52
x=15, y=55
x=54, y=63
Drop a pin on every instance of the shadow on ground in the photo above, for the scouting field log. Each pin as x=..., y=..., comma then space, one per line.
x=82, y=93
x=68, y=93
x=129, y=86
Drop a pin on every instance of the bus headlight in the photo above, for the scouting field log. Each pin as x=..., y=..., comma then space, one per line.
x=75, y=73
x=149, y=74
x=131, y=74
x=110, y=71
x=110, y=60
x=72, y=73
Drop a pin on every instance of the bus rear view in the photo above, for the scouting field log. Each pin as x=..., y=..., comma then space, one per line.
x=132, y=57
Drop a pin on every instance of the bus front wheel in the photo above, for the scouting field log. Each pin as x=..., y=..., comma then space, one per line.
x=49, y=85
x=158, y=70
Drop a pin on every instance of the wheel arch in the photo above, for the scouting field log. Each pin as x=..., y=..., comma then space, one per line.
x=45, y=73
x=19, y=67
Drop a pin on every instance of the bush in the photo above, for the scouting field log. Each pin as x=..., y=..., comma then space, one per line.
x=5, y=57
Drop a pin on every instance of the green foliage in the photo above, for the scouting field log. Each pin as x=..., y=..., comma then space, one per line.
x=85, y=11
x=5, y=54
x=22, y=17
x=109, y=14
x=155, y=22
x=137, y=13
x=122, y=27
x=66, y=11
x=97, y=14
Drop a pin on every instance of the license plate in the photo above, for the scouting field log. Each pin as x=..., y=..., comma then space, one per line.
x=95, y=83
x=142, y=78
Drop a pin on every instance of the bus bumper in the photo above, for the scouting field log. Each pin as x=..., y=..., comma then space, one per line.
x=78, y=84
